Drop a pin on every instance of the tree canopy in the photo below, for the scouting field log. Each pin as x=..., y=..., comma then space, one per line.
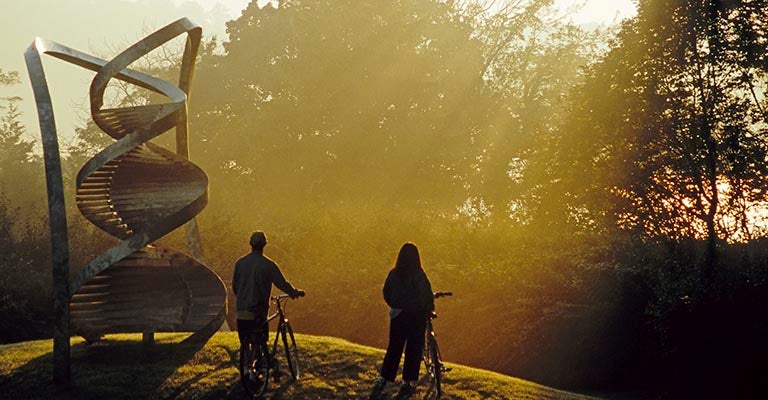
x=667, y=135
x=418, y=105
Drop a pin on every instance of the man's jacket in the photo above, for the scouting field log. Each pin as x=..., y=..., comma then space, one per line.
x=252, y=282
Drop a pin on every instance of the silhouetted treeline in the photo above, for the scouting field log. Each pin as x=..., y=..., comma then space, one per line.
x=595, y=199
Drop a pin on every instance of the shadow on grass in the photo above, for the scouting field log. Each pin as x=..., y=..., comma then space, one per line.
x=112, y=368
x=234, y=389
x=279, y=392
x=429, y=384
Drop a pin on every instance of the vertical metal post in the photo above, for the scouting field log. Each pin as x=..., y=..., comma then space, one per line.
x=58, y=217
x=148, y=339
x=182, y=134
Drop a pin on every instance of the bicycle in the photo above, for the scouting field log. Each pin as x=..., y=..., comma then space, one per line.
x=433, y=360
x=258, y=362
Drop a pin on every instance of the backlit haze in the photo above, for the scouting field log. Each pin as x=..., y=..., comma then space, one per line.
x=589, y=179
x=116, y=24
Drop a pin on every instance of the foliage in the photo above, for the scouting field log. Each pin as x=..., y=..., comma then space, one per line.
x=23, y=286
x=665, y=146
x=345, y=104
x=663, y=136
x=19, y=176
x=578, y=199
x=8, y=78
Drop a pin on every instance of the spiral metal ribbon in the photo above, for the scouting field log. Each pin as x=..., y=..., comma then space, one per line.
x=137, y=192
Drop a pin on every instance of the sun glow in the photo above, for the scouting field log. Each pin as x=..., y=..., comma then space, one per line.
x=589, y=11
x=598, y=11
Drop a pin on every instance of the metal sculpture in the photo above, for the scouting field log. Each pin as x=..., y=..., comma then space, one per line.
x=137, y=192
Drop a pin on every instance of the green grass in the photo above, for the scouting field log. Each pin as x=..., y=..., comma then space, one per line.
x=121, y=368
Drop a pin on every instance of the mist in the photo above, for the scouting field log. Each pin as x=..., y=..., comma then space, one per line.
x=594, y=198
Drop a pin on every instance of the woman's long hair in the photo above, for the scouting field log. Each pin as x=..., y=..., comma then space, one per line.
x=408, y=261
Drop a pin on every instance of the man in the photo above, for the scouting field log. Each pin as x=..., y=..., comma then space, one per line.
x=252, y=284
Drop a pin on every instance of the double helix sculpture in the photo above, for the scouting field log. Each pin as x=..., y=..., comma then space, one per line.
x=137, y=192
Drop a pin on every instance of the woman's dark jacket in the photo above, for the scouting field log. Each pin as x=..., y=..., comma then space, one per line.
x=409, y=292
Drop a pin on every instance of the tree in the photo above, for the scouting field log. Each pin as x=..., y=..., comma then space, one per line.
x=345, y=104
x=531, y=67
x=664, y=138
x=24, y=289
x=20, y=167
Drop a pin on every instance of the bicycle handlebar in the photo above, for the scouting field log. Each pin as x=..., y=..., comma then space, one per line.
x=283, y=296
x=442, y=294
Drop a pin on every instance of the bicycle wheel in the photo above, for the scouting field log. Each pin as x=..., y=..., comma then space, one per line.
x=291, y=351
x=427, y=356
x=437, y=366
x=254, y=368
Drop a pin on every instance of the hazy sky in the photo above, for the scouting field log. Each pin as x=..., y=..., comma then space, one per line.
x=593, y=11
x=600, y=11
x=91, y=26
x=100, y=26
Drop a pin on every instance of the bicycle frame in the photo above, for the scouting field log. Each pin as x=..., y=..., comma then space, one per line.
x=281, y=323
x=264, y=351
x=433, y=360
x=433, y=336
x=431, y=342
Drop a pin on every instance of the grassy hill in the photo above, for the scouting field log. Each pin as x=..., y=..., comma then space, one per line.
x=121, y=368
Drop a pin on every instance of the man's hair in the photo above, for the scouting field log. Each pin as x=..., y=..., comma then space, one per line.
x=258, y=240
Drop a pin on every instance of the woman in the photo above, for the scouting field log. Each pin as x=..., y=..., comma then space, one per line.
x=408, y=293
